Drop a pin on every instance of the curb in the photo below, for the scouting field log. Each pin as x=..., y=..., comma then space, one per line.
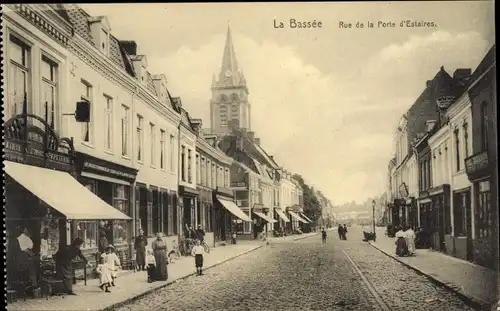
x=305, y=237
x=474, y=302
x=149, y=291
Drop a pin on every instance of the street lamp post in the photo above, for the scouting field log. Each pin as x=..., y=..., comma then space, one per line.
x=373, y=210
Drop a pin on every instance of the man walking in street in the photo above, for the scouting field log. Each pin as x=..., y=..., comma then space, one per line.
x=323, y=235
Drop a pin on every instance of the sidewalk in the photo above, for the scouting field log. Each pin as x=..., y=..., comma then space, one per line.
x=473, y=282
x=130, y=285
x=293, y=237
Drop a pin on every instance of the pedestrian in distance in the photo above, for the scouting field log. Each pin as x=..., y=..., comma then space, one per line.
x=323, y=235
x=401, y=246
x=345, y=232
x=340, y=231
x=140, y=243
x=197, y=252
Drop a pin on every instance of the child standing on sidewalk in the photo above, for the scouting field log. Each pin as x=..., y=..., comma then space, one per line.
x=112, y=261
x=104, y=276
x=197, y=252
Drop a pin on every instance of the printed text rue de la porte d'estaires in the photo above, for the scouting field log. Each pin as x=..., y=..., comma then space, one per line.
x=296, y=24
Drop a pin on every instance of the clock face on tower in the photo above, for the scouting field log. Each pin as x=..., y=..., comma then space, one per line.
x=228, y=74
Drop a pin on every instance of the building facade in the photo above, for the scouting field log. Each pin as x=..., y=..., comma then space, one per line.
x=440, y=152
x=188, y=193
x=460, y=118
x=481, y=166
x=212, y=187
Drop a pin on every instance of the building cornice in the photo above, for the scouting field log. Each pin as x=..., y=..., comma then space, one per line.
x=45, y=19
x=92, y=57
x=439, y=136
x=207, y=149
x=460, y=106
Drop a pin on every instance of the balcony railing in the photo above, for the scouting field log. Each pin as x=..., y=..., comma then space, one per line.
x=476, y=164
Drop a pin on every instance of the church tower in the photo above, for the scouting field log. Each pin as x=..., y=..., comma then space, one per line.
x=229, y=106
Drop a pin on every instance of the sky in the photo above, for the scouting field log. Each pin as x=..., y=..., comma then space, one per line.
x=325, y=101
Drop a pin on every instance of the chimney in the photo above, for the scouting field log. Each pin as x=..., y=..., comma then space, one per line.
x=430, y=125
x=428, y=83
x=251, y=136
x=462, y=75
x=257, y=141
x=197, y=125
x=271, y=157
x=129, y=46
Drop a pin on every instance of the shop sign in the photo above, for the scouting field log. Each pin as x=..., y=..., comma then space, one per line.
x=39, y=147
x=87, y=163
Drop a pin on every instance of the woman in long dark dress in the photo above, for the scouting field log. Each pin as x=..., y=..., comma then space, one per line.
x=64, y=258
x=140, y=243
x=401, y=247
x=160, y=253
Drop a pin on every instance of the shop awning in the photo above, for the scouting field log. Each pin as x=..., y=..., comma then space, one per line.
x=234, y=209
x=296, y=216
x=282, y=215
x=63, y=193
x=265, y=217
x=305, y=217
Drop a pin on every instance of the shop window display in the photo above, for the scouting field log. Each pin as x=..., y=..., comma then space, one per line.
x=121, y=202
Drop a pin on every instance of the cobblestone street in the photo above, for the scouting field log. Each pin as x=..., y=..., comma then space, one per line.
x=303, y=275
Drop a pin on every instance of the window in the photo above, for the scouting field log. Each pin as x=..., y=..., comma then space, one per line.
x=203, y=172
x=49, y=89
x=162, y=149
x=214, y=176
x=484, y=221
x=19, y=75
x=87, y=132
x=457, y=148
x=108, y=122
x=198, y=169
x=209, y=175
x=124, y=130
x=88, y=230
x=484, y=125
x=104, y=41
x=172, y=149
x=121, y=228
x=139, y=138
x=466, y=140
x=226, y=180
x=220, y=182
x=183, y=162
x=156, y=212
x=189, y=171
x=461, y=205
x=152, y=141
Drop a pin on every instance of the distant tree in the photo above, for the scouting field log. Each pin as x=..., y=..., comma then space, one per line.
x=312, y=206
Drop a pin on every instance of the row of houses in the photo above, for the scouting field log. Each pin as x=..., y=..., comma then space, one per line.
x=138, y=161
x=443, y=177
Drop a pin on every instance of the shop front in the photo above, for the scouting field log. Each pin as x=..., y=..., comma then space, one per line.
x=228, y=217
x=462, y=224
x=284, y=221
x=263, y=219
x=297, y=220
x=42, y=198
x=485, y=245
x=398, y=211
x=441, y=215
x=113, y=183
x=205, y=213
x=188, y=199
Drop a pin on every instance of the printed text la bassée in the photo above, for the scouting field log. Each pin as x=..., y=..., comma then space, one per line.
x=293, y=23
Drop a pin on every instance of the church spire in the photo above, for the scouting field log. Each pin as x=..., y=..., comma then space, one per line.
x=229, y=62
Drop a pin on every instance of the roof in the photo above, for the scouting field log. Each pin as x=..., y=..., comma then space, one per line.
x=79, y=19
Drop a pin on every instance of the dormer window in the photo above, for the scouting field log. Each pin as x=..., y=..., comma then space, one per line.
x=100, y=28
x=104, y=41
